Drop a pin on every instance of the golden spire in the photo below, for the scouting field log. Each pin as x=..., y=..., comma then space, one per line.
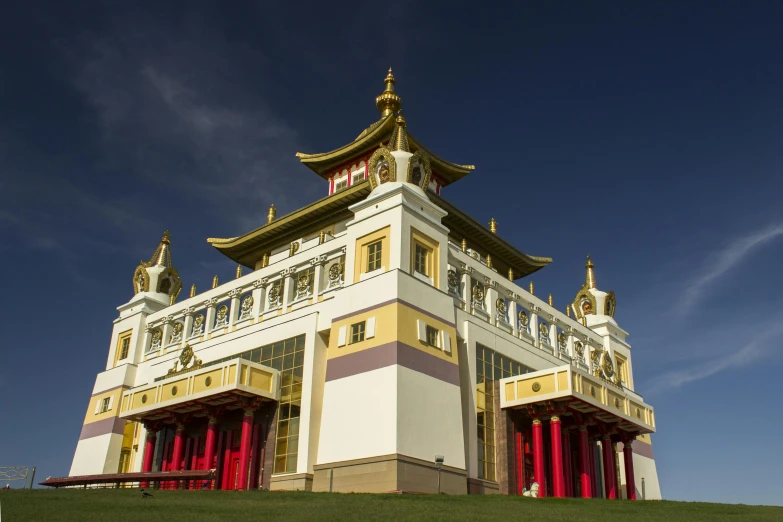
x=589, y=276
x=162, y=255
x=489, y=261
x=265, y=260
x=399, y=139
x=239, y=271
x=464, y=245
x=532, y=288
x=192, y=290
x=215, y=281
x=510, y=274
x=270, y=216
x=568, y=310
x=388, y=102
x=551, y=301
x=493, y=226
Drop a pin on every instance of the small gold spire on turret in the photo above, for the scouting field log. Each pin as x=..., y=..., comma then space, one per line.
x=568, y=310
x=465, y=246
x=192, y=290
x=532, y=288
x=321, y=237
x=493, y=226
x=590, y=275
x=162, y=254
x=272, y=214
x=489, y=261
x=239, y=271
x=265, y=260
x=550, y=300
x=388, y=102
x=399, y=140
x=215, y=281
x=510, y=274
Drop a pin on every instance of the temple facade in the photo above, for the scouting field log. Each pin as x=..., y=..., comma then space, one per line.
x=382, y=340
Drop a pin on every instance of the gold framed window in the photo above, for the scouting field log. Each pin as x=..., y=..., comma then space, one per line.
x=421, y=259
x=123, y=346
x=374, y=256
x=357, y=332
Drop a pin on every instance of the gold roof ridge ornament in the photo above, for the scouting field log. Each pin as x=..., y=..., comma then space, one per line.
x=388, y=102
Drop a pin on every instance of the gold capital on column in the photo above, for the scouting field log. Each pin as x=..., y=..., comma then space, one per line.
x=536, y=421
x=554, y=418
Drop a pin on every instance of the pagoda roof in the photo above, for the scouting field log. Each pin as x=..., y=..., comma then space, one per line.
x=376, y=134
x=249, y=248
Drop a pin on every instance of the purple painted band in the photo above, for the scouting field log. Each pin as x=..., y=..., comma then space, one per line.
x=102, y=427
x=390, y=354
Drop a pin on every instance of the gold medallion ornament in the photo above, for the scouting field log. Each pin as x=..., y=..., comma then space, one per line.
x=610, y=303
x=543, y=331
x=274, y=294
x=187, y=357
x=382, y=167
x=334, y=272
x=562, y=340
x=501, y=306
x=478, y=293
x=453, y=280
x=579, y=348
x=536, y=387
x=222, y=313
x=419, y=170
x=524, y=320
x=607, y=366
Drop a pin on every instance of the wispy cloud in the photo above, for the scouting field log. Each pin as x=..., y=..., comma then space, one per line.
x=723, y=261
x=763, y=346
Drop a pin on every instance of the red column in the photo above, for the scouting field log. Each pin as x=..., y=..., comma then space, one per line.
x=520, y=462
x=538, y=457
x=609, y=469
x=567, y=467
x=149, y=455
x=244, y=449
x=558, y=487
x=584, y=463
x=630, y=484
x=176, y=456
x=209, y=446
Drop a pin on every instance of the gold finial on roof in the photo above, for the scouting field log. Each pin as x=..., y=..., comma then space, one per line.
x=550, y=300
x=215, y=281
x=192, y=290
x=162, y=254
x=510, y=274
x=493, y=226
x=388, y=102
x=568, y=311
x=584, y=320
x=265, y=260
x=489, y=261
x=399, y=140
x=590, y=275
x=532, y=288
x=239, y=271
x=465, y=245
x=321, y=237
x=272, y=214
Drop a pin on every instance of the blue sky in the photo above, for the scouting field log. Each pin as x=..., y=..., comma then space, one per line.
x=648, y=136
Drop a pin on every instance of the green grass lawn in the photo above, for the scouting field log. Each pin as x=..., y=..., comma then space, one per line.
x=217, y=506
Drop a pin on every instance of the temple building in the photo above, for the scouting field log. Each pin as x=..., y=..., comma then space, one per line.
x=378, y=340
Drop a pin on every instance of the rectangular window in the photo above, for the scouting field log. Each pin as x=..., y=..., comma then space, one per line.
x=490, y=366
x=105, y=404
x=357, y=332
x=124, y=347
x=340, y=185
x=432, y=336
x=421, y=260
x=374, y=253
x=357, y=178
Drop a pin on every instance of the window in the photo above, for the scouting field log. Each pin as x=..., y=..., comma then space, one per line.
x=357, y=177
x=340, y=185
x=105, y=404
x=124, y=347
x=432, y=336
x=357, y=332
x=374, y=253
x=490, y=367
x=420, y=259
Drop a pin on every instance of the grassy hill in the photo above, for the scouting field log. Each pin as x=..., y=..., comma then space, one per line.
x=175, y=506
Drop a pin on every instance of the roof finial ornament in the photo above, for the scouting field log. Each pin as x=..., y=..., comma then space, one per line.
x=388, y=102
x=399, y=139
x=162, y=254
x=590, y=275
x=493, y=226
x=272, y=214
